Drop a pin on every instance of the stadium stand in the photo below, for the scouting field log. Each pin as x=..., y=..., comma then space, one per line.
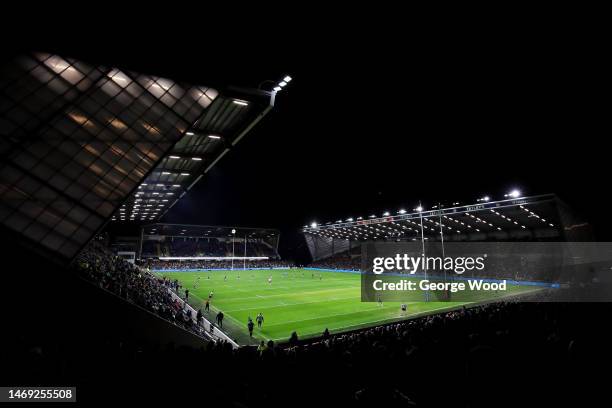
x=110, y=272
x=160, y=265
x=184, y=247
x=342, y=261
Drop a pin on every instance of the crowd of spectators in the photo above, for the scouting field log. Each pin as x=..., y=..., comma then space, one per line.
x=504, y=354
x=188, y=246
x=160, y=265
x=342, y=261
x=100, y=266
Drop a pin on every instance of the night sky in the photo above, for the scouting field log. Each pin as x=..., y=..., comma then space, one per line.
x=367, y=127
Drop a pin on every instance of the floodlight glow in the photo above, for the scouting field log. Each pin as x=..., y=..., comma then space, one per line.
x=196, y=158
x=349, y=220
x=241, y=103
x=165, y=173
x=214, y=137
x=233, y=231
x=419, y=209
x=287, y=78
x=175, y=157
x=514, y=194
x=282, y=83
x=402, y=211
x=386, y=214
x=277, y=88
x=189, y=133
x=184, y=174
x=313, y=225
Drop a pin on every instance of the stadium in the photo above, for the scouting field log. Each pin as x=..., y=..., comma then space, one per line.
x=130, y=273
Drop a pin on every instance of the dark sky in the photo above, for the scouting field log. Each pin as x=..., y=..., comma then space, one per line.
x=371, y=124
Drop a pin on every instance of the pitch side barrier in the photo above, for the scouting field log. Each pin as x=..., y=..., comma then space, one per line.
x=463, y=278
x=217, y=269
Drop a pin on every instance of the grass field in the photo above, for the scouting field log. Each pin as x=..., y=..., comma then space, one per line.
x=296, y=301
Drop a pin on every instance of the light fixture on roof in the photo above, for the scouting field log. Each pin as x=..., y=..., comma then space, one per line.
x=287, y=78
x=485, y=199
x=349, y=220
x=165, y=173
x=402, y=211
x=313, y=225
x=282, y=84
x=419, y=209
x=513, y=194
x=241, y=103
x=277, y=88
x=196, y=158
x=386, y=214
x=189, y=133
x=175, y=157
x=184, y=174
x=214, y=137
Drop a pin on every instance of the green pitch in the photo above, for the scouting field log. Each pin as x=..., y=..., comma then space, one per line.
x=295, y=300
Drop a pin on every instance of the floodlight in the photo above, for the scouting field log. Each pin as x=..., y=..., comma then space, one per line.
x=313, y=225
x=214, y=137
x=287, y=78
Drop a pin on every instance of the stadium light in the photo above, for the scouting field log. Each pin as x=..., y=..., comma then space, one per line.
x=419, y=209
x=513, y=194
x=313, y=225
x=485, y=199
x=402, y=211
x=241, y=103
x=214, y=137
x=175, y=157
x=196, y=158
x=349, y=220
x=277, y=88
x=386, y=214
x=287, y=78
x=282, y=84
x=189, y=133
